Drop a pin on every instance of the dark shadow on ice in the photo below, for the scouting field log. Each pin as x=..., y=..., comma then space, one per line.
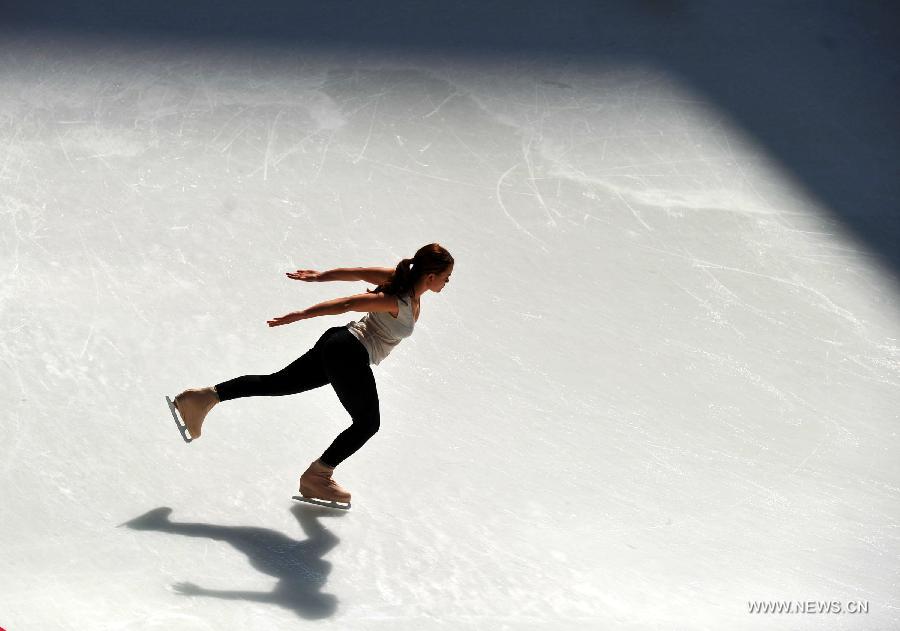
x=298, y=565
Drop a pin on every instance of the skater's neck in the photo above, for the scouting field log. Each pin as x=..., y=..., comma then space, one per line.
x=419, y=288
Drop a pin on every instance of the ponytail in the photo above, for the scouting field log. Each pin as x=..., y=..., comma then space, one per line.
x=430, y=259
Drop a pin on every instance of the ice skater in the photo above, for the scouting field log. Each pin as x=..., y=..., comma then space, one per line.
x=342, y=357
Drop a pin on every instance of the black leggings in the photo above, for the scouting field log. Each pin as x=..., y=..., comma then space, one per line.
x=337, y=358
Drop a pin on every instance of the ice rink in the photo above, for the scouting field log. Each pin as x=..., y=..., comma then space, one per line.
x=661, y=386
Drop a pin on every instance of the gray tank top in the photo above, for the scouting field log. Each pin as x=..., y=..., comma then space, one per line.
x=380, y=332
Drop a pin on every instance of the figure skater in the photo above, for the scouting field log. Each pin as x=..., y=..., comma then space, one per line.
x=342, y=357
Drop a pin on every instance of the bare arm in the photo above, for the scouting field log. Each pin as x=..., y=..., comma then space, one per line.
x=359, y=302
x=372, y=275
x=375, y=275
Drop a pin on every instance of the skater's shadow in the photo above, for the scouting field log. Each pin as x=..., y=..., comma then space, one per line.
x=298, y=565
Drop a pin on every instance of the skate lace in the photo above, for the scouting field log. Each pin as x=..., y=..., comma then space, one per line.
x=333, y=484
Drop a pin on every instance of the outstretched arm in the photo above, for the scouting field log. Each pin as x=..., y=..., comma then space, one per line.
x=372, y=275
x=359, y=302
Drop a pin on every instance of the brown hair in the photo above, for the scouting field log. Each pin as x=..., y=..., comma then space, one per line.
x=429, y=259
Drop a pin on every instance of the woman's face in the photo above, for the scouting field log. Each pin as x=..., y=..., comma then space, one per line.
x=439, y=280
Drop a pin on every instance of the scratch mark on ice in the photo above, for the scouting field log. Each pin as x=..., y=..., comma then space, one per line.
x=441, y=104
x=506, y=212
x=634, y=212
x=369, y=136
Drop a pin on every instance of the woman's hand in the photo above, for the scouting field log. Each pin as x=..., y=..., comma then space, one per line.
x=309, y=275
x=287, y=319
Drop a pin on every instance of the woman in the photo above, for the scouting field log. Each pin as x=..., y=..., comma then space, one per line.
x=342, y=357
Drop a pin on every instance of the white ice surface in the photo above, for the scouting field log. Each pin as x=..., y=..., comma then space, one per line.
x=661, y=382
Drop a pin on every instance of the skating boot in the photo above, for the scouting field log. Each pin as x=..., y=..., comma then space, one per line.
x=193, y=405
x=316, y=484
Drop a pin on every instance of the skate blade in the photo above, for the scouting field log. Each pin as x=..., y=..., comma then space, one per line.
x=325, y=503
x=178, y=423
